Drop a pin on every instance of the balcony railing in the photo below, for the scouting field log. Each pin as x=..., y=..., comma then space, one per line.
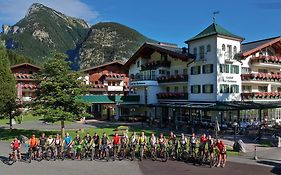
x=172, y=95
x=143, y=78
x=155, y=64
x=115, y=76
x=98, y=87
x=261, y=95
x=261, y=77
x=266, y=59
x=172, y=78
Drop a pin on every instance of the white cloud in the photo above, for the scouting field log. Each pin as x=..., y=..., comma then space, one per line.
x=12, y=11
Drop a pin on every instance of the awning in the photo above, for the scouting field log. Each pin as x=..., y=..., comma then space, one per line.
x=106, y=99
x=224, y=106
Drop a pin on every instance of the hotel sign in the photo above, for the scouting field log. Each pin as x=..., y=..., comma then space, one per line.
x=229, y=79
x=144, y=83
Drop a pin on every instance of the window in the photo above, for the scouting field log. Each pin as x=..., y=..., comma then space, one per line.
x=245, y=70
x=227, y=68
x=234, y=49
x=262, y=88
x=229, y=51
x=208, y=68
x=164, y=57
x=138, y=63
x=176, y=72
x=279, y=89
x=208, y=88
x=246, y=88
x=195, y=89
x=235, y=69
x=176, y=89
x=168, y=73
x=195, y=70
x=167, y=89
x=184, y=72
x=234, y=88
x=208, y=48
x=224, y=88
x=202, y=52
x=195, y=52
x=184, y=89
x=263, y=71
x=223, y=47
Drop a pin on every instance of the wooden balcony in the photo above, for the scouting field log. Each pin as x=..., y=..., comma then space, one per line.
x=98, y=87
x=172, y=95
x=155, y=64
x=172, y=79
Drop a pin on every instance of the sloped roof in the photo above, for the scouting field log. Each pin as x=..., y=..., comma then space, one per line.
x=214, y=29
x=169, y=49
x=251, y=47
x=26, y=64
x=103, y=65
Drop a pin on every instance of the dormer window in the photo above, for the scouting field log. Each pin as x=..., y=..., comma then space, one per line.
x=208, y=48
x=223, y=47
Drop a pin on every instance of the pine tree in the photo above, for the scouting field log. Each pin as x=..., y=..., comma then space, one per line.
x=7, y=87
x=58, y=92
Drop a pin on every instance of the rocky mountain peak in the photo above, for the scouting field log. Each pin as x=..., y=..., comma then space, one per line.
x=34, y=8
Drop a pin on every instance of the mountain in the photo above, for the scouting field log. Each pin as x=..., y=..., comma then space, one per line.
x=109, y=41
x=42, y=31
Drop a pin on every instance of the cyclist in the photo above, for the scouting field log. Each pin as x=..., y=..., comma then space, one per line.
x=210, y=142
x=96, y=144
x=173, y=144
x=77, y=141
x=116, y=140
x=42, y=144
x=33, y=145
x=142, y=142
x=222, y=153
x=50, y=142
x=192, y=144
x=104, y=142
x=124, y=143
x=58, y=144
x=15, y=145
x=87, y=143
x=132, y=143
x=153, y=141
x=202, y=145
x=67, y=143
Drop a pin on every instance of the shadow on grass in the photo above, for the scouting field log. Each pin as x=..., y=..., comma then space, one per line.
x=276, y=166
x=7, y=134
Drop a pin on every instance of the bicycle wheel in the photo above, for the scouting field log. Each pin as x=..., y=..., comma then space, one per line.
x=107, y=154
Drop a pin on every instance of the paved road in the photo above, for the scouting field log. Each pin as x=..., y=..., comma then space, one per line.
x=146, y=167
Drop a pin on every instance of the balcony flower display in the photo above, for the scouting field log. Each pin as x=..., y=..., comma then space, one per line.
x=261, y=76
x=172, y=78
x=155, y=64
x=261, y=95
x=266, y=59
x=172, y=95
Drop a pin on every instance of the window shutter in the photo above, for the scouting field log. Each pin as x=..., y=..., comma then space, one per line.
x=211, y=68
x=204, y=69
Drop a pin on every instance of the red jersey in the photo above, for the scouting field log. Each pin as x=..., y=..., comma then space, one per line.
x=16, y=144
x=203, y=139
x=116, y=140
x=220, y=146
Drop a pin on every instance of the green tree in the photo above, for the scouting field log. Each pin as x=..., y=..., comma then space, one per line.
x=7, y=87
x=58, y=92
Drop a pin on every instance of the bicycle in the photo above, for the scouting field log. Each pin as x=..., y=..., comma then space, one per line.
x=163, y=154
x=13, y=157
x=132, y=151
x=68, y=153
x=141, y=151
x=182, y=153
x=153, y=152
x=49, y=153
x=122, y=152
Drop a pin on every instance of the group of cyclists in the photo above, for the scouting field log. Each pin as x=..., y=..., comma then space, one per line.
x=198, y=150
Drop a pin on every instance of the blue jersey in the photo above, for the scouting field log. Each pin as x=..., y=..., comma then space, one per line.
x=67, y=140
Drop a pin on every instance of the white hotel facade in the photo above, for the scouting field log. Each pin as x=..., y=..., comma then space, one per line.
x=216, y=77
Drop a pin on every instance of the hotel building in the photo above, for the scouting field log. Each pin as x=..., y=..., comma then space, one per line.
x=217, y=78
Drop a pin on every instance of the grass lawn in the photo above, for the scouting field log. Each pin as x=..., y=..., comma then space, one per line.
x=25, y=118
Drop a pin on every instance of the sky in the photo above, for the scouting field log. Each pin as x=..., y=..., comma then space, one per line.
x=172, y=21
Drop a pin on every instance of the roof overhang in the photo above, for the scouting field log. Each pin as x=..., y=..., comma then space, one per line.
x=25, y=64
x=147, y=49
x=276, y=42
